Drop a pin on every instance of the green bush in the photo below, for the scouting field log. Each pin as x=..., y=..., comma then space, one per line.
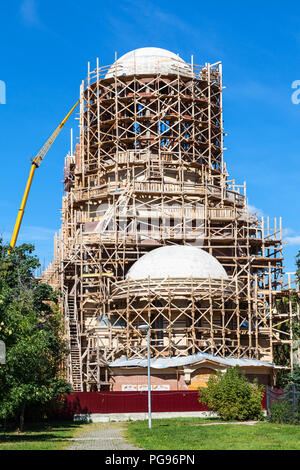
x=281, y=412
x=232, y=396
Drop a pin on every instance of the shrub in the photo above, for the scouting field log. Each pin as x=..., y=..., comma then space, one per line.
x=33, y=330
x=281, y=412
x=232, y=396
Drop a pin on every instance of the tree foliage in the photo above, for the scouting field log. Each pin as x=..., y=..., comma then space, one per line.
x=282, y=351
x=293, y=378
x=232, y=396
x=31, y=327
x=287, y=408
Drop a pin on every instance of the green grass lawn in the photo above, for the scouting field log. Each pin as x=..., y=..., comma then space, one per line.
x=186, y=434
x=41, y=436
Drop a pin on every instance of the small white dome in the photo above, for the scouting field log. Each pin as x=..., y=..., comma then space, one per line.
x=148, y=60
x=177, y=261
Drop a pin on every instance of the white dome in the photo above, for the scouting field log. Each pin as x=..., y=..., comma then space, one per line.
x=177, y=261
x=148, y=60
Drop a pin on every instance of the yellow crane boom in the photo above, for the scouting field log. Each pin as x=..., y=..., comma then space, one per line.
x=35, y=163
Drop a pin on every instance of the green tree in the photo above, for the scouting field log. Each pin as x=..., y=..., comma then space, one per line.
x=31, y=327
x=282, y=352
x=232, y=396
x=293, y=378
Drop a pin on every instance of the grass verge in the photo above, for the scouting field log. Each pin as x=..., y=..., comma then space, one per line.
x=186, y=434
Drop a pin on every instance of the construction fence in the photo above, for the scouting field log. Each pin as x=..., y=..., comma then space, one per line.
x=130, y=402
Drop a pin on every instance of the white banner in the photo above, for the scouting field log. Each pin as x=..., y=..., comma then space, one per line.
x=144, y=387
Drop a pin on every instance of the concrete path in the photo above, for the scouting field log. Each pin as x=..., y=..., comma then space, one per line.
x=101, y=436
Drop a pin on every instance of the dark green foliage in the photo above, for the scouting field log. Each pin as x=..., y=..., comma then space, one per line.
x=282, y=351
x=293, y=378
x=280, y=412
x=232, y=396
x=287, y=408
x=285, y=411
x=281, y=377
x=31, y=326
x=298, y=264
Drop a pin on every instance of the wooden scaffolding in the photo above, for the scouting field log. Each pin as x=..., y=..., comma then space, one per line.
x=148, y=171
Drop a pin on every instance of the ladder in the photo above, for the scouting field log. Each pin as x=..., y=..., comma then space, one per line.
x=123, y=199
x=154, y=170
x=75, y=366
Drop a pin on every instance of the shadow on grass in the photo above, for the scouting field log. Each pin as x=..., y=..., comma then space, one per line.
x=38, y=432
x=9, y=438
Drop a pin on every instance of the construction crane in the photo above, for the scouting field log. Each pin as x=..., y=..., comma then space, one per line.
x=35, y=163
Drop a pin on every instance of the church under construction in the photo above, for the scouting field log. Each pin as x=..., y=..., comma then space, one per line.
x=154, y=232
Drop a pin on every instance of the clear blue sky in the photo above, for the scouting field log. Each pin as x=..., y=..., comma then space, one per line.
x=45, y=47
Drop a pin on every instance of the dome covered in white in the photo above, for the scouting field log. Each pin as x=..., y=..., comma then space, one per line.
x=148, y=60
x=175, y=262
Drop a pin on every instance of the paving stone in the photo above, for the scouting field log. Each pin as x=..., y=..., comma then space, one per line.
x=101, y=436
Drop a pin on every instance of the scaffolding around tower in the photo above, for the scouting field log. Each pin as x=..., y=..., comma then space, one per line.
x=148, y=172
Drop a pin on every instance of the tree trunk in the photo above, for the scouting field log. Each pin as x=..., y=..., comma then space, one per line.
x=22, y=418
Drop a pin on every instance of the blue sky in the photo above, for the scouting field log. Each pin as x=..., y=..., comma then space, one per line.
x=45, y=47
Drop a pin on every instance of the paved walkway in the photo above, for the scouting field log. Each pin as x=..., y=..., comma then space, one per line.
x=101, y=436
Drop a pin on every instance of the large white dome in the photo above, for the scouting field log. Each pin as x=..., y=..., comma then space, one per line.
x=148, y=60
x=175, y=262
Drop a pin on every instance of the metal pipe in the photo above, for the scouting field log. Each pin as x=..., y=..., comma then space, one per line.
x=147, y=327
x=149, y=380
